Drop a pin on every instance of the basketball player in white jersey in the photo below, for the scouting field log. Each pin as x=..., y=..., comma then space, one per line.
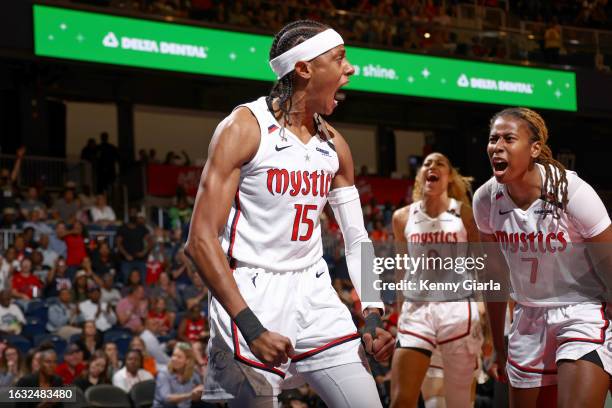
x=537, y=213
x=273, y=164
x=440, y=214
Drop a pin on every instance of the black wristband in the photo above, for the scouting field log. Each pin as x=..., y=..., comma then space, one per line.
x=372, y=321
x=249, y=325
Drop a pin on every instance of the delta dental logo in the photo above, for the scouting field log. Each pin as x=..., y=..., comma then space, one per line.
x=494, y=85
x=111, y=40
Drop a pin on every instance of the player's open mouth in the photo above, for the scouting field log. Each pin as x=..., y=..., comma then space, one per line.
x=431, y=178
x=339, y=97
x=499, y=165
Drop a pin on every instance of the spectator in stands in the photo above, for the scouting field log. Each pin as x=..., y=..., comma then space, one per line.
x=196, y=293
x=180, y=214
x=133, y=245
x=12, y=367
x=9, y=218
x=96, y=372
x=49, y=255
x=158, y=311
x=114, y=362
x=89, y=153
x=31, y=202
x=153, y=346
x=58, y=279
x=379, y=234
x=199, y=350
x=8, y=264
x=108, y=159
x=193, y=326
x=92, y=278
x=132, y=373
x=20, y=247
x=80, y=286
x=37, y=220
x=103, y=260
x=101, y=213
x=76, y=250
x=32, y=360
x=56, y=241
x=73, y=364
x=153, y=156
x=11, y=316
x=552, y=41
x=9, y=190
x=38, y=269
x=148, y=362
x=109, y=294
x=86, y=201
x=66, y=208
x=132, y=310
x=64, y=316
x=166, y=289
x=143, y=157
x=181, y=383
x=101, y=313
x=26, y=285
x=134, y=280
x=90, y=340
x=45, y=376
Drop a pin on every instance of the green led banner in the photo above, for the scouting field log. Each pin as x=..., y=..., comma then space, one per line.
x=86, y=36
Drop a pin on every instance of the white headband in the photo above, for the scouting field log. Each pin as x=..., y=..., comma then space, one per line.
x=309, y=49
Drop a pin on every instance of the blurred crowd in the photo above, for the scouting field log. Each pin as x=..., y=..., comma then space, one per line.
x=430, y=26
x=87, y=299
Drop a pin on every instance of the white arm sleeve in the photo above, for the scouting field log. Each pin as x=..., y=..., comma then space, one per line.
x=346, y=206
x=586, y=208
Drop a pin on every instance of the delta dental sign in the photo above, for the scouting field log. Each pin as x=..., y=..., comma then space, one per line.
x=93, y=37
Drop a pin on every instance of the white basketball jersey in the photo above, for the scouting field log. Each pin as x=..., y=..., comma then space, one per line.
x=547, y=260
x=274, y=220
x=431, y=238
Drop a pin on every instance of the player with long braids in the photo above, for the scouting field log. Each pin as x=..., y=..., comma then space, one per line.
x=538, y=214
x=272, y=166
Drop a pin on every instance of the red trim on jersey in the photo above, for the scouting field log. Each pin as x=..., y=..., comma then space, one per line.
x=272, y=128
x=469, y=328
x=324, y=347
x=435, y=366
x=602, y=333
x=418, y=335
x=230, y=250
x=247, y=361
x=531, y=370
x=499, y=195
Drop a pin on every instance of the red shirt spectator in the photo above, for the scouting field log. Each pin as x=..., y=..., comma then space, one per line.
x=192, y=325
x=72, y=366
x=154, y=269
x=75, y=244
x=24, y=281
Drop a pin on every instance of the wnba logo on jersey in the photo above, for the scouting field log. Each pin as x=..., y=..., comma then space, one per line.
x=437, y=237
x=532, y=242
x=302, y=182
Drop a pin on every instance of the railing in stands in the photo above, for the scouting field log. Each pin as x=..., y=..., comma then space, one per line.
x=50, y=172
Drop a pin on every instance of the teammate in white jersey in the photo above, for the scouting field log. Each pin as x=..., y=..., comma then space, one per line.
x=559, y=346
x=440, y=215
x=273, y=164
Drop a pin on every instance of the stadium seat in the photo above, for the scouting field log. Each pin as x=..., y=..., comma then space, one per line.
x=142, y=394
x=39, y=310
x=123, y=344
x=74, y=338
x=107, y=396
x=33, y=328
x=112, y=334
x=80, y=400
x=4, y=396
x=59, y=344
x=22, y=343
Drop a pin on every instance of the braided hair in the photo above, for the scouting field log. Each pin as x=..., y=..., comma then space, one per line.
x=555, y=183
x=290, y=36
